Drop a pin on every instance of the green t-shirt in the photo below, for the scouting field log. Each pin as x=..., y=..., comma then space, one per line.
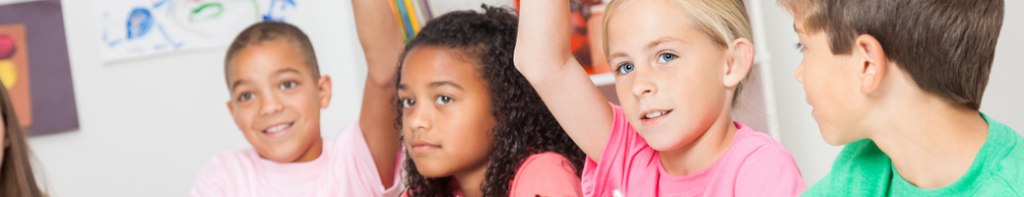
x=864, y=170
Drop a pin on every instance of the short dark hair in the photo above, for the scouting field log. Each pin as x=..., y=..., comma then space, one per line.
x=269, y=31
x=947, y=47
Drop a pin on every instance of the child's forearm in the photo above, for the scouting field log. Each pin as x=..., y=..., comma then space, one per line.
x=380, y=38
x=544, y=57
x=382, y=44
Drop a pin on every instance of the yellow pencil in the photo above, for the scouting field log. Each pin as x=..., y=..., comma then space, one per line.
x=412, y=17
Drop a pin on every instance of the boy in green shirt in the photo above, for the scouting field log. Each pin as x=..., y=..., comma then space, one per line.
x=900, y=82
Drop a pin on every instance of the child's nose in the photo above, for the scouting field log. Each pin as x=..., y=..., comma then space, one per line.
x=270, y=105
x=799, y=73
x=643, y=86
x=419, y=120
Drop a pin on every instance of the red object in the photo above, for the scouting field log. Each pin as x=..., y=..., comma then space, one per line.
x=6, y=47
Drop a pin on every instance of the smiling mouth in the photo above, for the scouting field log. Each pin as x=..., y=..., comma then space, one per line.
x=655, y=114
x=278, y=128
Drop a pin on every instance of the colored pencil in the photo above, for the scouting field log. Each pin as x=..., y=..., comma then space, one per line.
x=398, y=18
x=405, y=18
x=426, y=9
x=412, y=17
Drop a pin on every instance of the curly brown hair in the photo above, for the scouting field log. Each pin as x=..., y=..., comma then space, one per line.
x=524, y=124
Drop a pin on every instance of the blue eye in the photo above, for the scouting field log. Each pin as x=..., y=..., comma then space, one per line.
x=245, y=96
x=441, y=100
x=408, y=103
x=625, y=68
x=288, y=85
x=665, y=57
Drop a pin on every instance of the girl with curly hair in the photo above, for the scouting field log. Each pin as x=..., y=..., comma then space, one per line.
x=470, y=122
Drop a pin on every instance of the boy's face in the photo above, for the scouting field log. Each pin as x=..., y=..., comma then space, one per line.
x=446, y=112
x=276, y=101
x=669, y=75
x=832, y=84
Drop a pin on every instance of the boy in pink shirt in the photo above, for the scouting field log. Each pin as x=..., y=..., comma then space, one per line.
x=277, y=93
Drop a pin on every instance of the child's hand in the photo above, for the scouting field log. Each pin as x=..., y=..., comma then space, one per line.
x=382, y=44
x=544, y=57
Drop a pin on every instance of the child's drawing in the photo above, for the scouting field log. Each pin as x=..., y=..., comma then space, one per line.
x=135, y=28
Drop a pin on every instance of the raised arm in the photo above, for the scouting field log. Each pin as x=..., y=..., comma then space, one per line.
x=543, y=55
x=382, y=43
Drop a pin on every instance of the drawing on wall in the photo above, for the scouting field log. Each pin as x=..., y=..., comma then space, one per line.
x=34, y=67
x=137, y=28
x=14, y=70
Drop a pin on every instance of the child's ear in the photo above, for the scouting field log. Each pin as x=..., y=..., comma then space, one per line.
x=738, y=66
x=231, y=109
x=872, y=62
x=324, y=86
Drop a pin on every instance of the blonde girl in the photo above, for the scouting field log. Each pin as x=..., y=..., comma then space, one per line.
x=678, y=65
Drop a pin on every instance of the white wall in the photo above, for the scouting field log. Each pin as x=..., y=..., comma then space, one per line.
x=799, y=131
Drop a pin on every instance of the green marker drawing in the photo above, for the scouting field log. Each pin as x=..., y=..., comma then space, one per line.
x=206, y=12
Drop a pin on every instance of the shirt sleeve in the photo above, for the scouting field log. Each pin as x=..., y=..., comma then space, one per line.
x=546, y=174
x=623, y=148
x=357, y=164
x=769, y=171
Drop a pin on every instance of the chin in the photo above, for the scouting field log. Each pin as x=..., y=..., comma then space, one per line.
x=832, y=137
x=279, y=157
x=431, y=170
x=662, y=142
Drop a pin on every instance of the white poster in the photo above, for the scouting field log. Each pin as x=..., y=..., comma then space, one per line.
x=137, y=28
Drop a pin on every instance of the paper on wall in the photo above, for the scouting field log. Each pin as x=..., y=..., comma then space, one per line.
x=138, y=28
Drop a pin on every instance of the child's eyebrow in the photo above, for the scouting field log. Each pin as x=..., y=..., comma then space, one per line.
x=445, y=83
x=286, y=70
x=661, y=41
x=235, y=85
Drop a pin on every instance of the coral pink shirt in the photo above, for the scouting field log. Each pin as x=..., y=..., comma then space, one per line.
x=754, y=165
x=543, y=174
x=344, y=168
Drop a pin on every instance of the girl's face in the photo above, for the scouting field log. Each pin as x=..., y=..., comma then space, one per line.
x=446, y=108
x=669, y=75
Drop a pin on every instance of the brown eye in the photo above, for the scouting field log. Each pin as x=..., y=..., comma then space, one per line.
x=408, y=103
x=288, y=85
x=245, y=96
x=441, y=100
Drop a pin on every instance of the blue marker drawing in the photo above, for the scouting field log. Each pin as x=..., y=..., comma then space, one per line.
x=160, y=3
x=140, y=21
x=176, y=45
x=274, y=5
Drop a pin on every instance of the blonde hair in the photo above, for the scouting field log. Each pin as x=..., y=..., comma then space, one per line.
x=723, y=21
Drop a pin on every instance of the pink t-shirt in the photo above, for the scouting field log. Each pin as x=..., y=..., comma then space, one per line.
x=754, y=165
x=546, y=174
x=344, y=168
